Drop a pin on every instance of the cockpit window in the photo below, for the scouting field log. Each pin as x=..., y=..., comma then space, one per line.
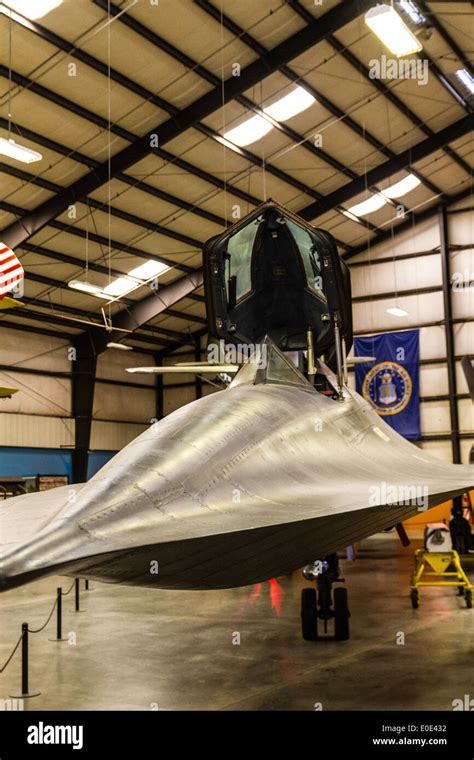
x=239, y=264
x=309, y=254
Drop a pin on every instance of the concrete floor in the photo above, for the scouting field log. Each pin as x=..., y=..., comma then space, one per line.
x=139, y=649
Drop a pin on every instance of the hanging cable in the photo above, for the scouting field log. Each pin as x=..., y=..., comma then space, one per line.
x=224, y=124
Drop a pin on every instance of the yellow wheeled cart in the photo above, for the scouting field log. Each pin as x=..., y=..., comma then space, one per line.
x=437, y=566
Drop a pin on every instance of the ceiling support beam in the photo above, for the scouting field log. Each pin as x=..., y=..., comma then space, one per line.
x=91, y=163
x=420, y=216
x=84, y=369
x=99, y=239
x=178, y=337
x=295, y=45
x=390, y=95
x=7, y=323
x=293, y=76
x=143, y=311
x=442, y=31
x=379, y=84
x=449, y=333
x=298, y=139
x=60, y=285
x=379, y=173
x=207, y=131
x=138, y=221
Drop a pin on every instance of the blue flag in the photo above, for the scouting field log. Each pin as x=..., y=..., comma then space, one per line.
x=391, y=384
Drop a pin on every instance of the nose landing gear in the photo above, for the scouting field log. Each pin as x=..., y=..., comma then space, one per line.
x=324, y=605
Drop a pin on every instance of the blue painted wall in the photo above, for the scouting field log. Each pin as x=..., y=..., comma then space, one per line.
x=26, y=462
x=97, y=459
x=30, y=462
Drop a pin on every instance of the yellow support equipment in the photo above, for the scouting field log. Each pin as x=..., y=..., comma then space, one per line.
x=436, y=566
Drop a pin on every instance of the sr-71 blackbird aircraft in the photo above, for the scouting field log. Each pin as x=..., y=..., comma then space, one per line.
x=282, y=468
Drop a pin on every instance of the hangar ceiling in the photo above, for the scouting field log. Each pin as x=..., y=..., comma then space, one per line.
x=138, y=73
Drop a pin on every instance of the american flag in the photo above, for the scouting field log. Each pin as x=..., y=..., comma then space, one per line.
x=11, y=271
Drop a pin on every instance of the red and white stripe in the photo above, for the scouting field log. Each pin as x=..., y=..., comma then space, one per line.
x=11, y=271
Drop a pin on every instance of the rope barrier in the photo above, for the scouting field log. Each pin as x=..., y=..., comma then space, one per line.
x=11, y=656
x=27, y=630
x=38, y=630
x=65, y=593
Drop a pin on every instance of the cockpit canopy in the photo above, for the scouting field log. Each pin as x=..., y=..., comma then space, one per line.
x=263, y=276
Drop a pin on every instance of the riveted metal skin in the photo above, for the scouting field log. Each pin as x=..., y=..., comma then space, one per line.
x=234, y=488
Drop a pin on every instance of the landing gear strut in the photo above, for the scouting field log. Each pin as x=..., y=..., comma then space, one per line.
x=318, y=606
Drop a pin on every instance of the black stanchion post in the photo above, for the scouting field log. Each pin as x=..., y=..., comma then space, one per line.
x=77, y=594
x=24, y=666
x=24, y=659
x=59, y=622
x=59, y=615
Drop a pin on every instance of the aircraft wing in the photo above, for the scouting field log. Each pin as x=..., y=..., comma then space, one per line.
x=7, y=392
x=187, y=369
x=236, y=487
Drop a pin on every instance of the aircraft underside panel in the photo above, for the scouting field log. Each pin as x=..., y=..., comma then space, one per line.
x=239, y=486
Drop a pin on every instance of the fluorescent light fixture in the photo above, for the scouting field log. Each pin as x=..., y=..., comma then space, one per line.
x=19, y=152
x=396, y=312
x=249, y=131
x=149, y=269
x=256, y=126
x=406, y=185
x=369, y=206
x=412, y=11
x=119, y=346
x=391, y=29
x=32, y=9
x=86, y=287
x=466, y=79
x=351, y=216
x=120, y=286
x=296, y=101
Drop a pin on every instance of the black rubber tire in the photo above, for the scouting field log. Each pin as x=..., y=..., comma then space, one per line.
x=309, y=614
x=468, y=598
x=341, y=615
x=415, y=599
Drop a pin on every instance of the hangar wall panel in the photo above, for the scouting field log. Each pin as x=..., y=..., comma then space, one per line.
x=37, y=394
x=34, y=351
x=113, y=436
x=435, y=417
x=121, y=403
x=423, y=237
x=422, y=272
x=397, y=275
x=433, y=380
x=176, y=397
x=36, y=431
x=112, y=365
x=466, y=415
x=466, y=445
x=464, y=338
x=372, y=315
x=440, y=449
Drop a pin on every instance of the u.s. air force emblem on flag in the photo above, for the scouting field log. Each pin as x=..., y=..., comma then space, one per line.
x=392, y=384
x=388, y=387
